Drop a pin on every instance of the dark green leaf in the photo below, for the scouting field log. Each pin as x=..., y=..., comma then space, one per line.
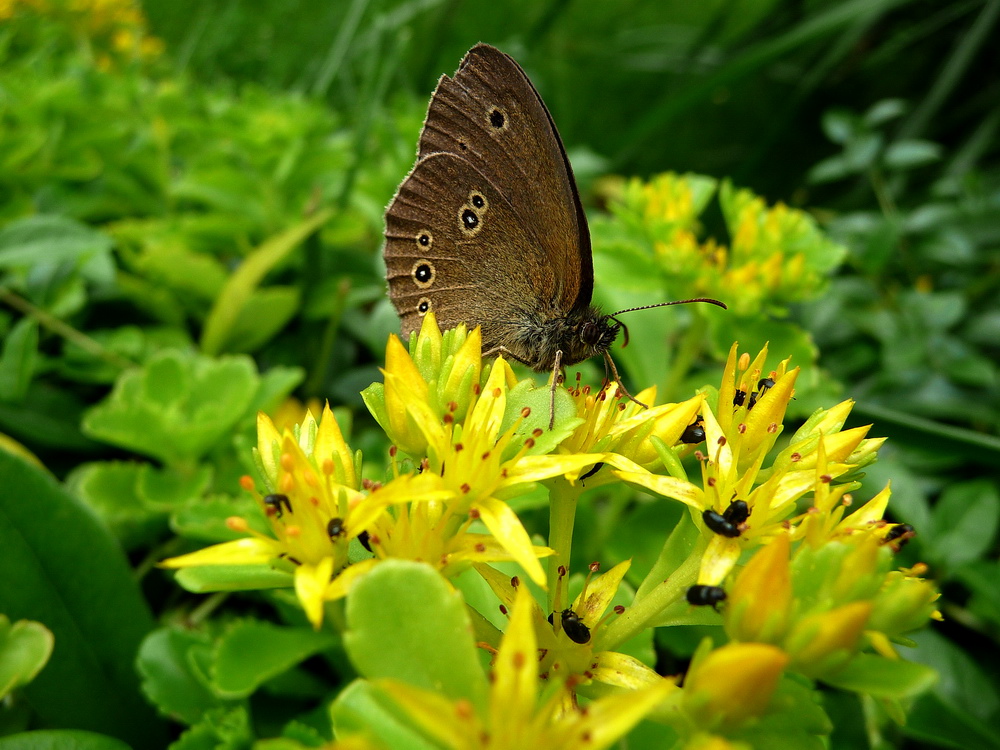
x=883, y=678
x=18, y=360
x=62, y=569
x=55, y=739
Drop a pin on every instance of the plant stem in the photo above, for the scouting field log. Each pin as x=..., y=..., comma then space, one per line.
x=637, y=618
x=563, y=497
x=60, y=328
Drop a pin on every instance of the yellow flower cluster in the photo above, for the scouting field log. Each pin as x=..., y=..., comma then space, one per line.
x=117, y=29
x=777, y=254
x=805, y=584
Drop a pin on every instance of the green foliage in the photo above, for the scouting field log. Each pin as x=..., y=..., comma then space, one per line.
x=163, y=215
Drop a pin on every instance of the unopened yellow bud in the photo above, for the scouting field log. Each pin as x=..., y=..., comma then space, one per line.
x=733, y=683
x=760, y=598
x=823, y=642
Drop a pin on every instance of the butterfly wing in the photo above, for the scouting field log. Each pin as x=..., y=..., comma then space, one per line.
x=454, y=244
x=533, y=251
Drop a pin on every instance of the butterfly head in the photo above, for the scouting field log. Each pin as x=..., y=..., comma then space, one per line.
x=590, y=335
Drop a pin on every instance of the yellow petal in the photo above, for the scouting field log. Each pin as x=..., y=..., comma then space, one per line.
x=536, y=468
x=249, y=551
x=678, y=489
x=622, y=670
x=760, y=598
x=452, y=725
x=600, y=592
x=506, y=527
x=341, y=585
x=268, y=438
x=610, y=718
x=311, y=582
x=330, y=443
x=719, y=559
x=733, y=683
x=515, y=672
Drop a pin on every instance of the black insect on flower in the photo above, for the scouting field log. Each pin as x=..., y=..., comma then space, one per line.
x=573, y=626
x=701, y=595
x=718, y=523
x=694, y=433
x=276, y=502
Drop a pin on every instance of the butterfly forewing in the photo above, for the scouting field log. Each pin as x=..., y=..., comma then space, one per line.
x=490, y=114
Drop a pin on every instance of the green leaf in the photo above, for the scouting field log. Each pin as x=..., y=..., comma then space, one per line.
x=204, y=519
x=168, y=678
x=60, y=739
x=219, y=329
x=263, y=316
x=883, y=678
x=362, y=708
x=252, y=652
x=219, y=729
x=204, y=579
x=883, y=111
x=25, y=647
x=911, y=153
x=18, y=360
x=177, y=407
x=405, y=621
x=962, y=708
x=24, y=243
x=964, y=522
x=110, y=489
x=839, y=125
x=62, y=568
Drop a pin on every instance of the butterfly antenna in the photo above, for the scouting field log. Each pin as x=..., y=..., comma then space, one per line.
x=624, y=328
x=709, y=300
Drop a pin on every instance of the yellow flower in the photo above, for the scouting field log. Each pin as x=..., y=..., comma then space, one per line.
x=523, y=712
x=741, y=504
x=610, y=425
x=313, y=508
x=483, y=452
x=426, y=532
x=570, y=638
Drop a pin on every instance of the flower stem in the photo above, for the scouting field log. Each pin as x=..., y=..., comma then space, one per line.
x=563, y=497
x=638, y=617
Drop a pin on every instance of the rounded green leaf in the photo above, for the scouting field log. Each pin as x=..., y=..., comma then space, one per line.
x=25, y=646
x=406, y=622
x=252, y=652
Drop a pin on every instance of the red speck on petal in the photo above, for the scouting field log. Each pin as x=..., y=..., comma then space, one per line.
x=246, y=483
x=480, y=547
x=287, y=461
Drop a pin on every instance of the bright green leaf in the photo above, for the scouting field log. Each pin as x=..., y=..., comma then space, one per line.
x=251, y=652
x=404, y=621
x=25, y=647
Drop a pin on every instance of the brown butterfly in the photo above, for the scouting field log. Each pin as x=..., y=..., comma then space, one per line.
x=488, y=229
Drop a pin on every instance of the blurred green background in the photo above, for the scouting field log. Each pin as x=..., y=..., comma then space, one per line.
x=191, y=198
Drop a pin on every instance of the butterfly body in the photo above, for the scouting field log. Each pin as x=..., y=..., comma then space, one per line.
x=488, y=229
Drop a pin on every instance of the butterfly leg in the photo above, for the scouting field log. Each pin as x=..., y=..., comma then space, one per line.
x=558, y=376
x=618, y=380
